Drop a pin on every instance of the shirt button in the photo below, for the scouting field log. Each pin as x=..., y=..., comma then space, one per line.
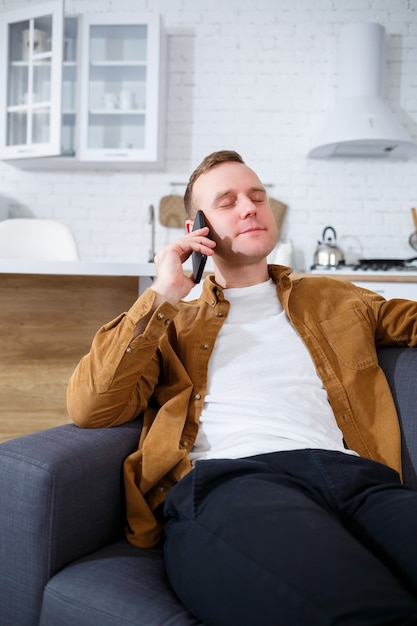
x=183, y=444
x=128, y=350
x=162, y=488
x=205, y=346
x=219, y=314
x=160, y=316
x=197, y=396
x=167, y=321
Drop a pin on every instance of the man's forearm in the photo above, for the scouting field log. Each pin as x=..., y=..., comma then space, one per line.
x=106, y=388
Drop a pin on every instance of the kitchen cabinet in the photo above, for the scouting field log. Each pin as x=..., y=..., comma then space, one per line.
x=389, y=284
x=82, y=89
x=30, y=75
x=391, y=289
x=119, y=88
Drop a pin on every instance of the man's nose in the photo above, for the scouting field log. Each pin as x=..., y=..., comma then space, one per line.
x=247, y=207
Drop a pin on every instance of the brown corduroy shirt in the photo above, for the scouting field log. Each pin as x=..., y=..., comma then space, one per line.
x=163, y=374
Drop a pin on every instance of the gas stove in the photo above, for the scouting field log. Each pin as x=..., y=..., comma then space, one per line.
x=390, y=281
x=385, y=265
x=371, y=267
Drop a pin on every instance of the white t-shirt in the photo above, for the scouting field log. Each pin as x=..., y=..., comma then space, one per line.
x=263, y=391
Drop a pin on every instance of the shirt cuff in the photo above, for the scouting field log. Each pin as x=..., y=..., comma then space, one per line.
x=160, y=319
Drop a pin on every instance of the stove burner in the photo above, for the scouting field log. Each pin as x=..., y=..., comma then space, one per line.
x=371, y=265
x=377, y=266
x=386, y=264
x=383, y=265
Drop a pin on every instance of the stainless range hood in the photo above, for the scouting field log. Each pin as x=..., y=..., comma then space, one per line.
x=362, y=124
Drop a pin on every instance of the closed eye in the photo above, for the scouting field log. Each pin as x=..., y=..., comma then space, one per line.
x=226, y=202
x=258, y=197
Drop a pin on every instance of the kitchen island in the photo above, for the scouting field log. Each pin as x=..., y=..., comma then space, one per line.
x=49, y=313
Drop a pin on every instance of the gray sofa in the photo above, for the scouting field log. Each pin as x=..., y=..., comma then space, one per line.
x=63, y=558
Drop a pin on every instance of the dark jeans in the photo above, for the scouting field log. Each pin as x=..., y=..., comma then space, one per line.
x=302, y=538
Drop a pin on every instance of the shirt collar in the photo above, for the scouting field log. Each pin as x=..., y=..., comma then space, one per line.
x=212, y=293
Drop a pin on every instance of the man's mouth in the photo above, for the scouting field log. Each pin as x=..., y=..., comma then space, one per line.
x=252, y=229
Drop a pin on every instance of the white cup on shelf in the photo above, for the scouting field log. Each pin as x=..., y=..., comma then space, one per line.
x=126, y=100
x=110, y=100
x=69, y=49
x=27, y=97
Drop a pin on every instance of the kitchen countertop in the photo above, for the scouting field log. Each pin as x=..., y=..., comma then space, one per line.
x=389, y=276
x=75, y=268
x=91, y=268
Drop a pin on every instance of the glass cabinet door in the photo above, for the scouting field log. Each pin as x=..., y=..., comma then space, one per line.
x=120, y=88
x=69, y=87
x=30, y=81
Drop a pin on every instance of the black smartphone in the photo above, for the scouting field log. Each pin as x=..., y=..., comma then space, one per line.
x=199, y=260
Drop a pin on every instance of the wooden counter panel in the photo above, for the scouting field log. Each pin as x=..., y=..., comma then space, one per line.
x=47, y=324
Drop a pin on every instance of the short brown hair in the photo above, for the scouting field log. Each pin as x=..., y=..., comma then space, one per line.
x=213, y=159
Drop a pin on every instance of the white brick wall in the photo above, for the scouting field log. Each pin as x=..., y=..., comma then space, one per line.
x=256, y=76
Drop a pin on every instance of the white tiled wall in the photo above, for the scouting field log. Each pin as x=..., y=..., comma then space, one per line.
x=256, y=76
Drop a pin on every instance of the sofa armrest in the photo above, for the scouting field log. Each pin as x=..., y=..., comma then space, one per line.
x=400, y=369
x=61, y=496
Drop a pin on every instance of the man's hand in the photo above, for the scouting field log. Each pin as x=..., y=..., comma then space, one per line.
x=171, y=284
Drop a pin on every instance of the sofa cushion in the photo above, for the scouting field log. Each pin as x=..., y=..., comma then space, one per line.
x=120, y=585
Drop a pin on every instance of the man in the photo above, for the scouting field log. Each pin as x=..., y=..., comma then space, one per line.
x=270, y=448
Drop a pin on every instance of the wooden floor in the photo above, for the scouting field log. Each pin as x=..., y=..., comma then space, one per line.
x=46, y=324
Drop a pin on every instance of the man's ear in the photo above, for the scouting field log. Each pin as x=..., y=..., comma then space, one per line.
x=189, y=226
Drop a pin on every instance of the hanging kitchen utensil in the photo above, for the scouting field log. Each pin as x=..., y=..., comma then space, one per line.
x=412, y=240
x=278, y=209
x=152, y=223
x=172, y=211
x=328, y=253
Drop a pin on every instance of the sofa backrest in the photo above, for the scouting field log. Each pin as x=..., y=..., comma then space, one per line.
x=400, y=368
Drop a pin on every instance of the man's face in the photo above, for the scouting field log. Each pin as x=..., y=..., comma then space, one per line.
x=237, y=210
